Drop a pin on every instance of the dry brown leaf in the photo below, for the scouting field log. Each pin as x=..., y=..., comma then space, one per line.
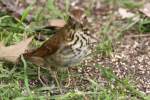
x=13, y=52
x=57, y=23
x=125, y=14
x=146, y=9
x=16, y=8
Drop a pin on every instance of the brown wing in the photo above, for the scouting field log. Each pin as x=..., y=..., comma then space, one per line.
x=52, y=44
x=48, y=48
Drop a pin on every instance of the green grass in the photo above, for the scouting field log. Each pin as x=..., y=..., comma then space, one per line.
x=144, y=26
x=12, y=31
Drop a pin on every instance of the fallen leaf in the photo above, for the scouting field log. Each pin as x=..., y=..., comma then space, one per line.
x=125, y=14
x=9, y=3
x=13, y=52
x=16, y=9
x=56, y=23
x=146, y=9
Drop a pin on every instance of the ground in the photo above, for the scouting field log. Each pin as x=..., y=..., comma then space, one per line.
x=118, y=68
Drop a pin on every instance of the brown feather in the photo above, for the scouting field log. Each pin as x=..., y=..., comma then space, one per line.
x=50, y=46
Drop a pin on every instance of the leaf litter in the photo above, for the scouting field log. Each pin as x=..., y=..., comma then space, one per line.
x=121, y=62
x=146, y=9
x=13, y=52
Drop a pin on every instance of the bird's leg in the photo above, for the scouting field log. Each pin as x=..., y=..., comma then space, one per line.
x=55, y=76
x=39, y=77
x=69, y=79
x=57, y=82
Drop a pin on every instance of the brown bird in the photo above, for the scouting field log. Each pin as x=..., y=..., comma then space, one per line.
x=68, y=46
